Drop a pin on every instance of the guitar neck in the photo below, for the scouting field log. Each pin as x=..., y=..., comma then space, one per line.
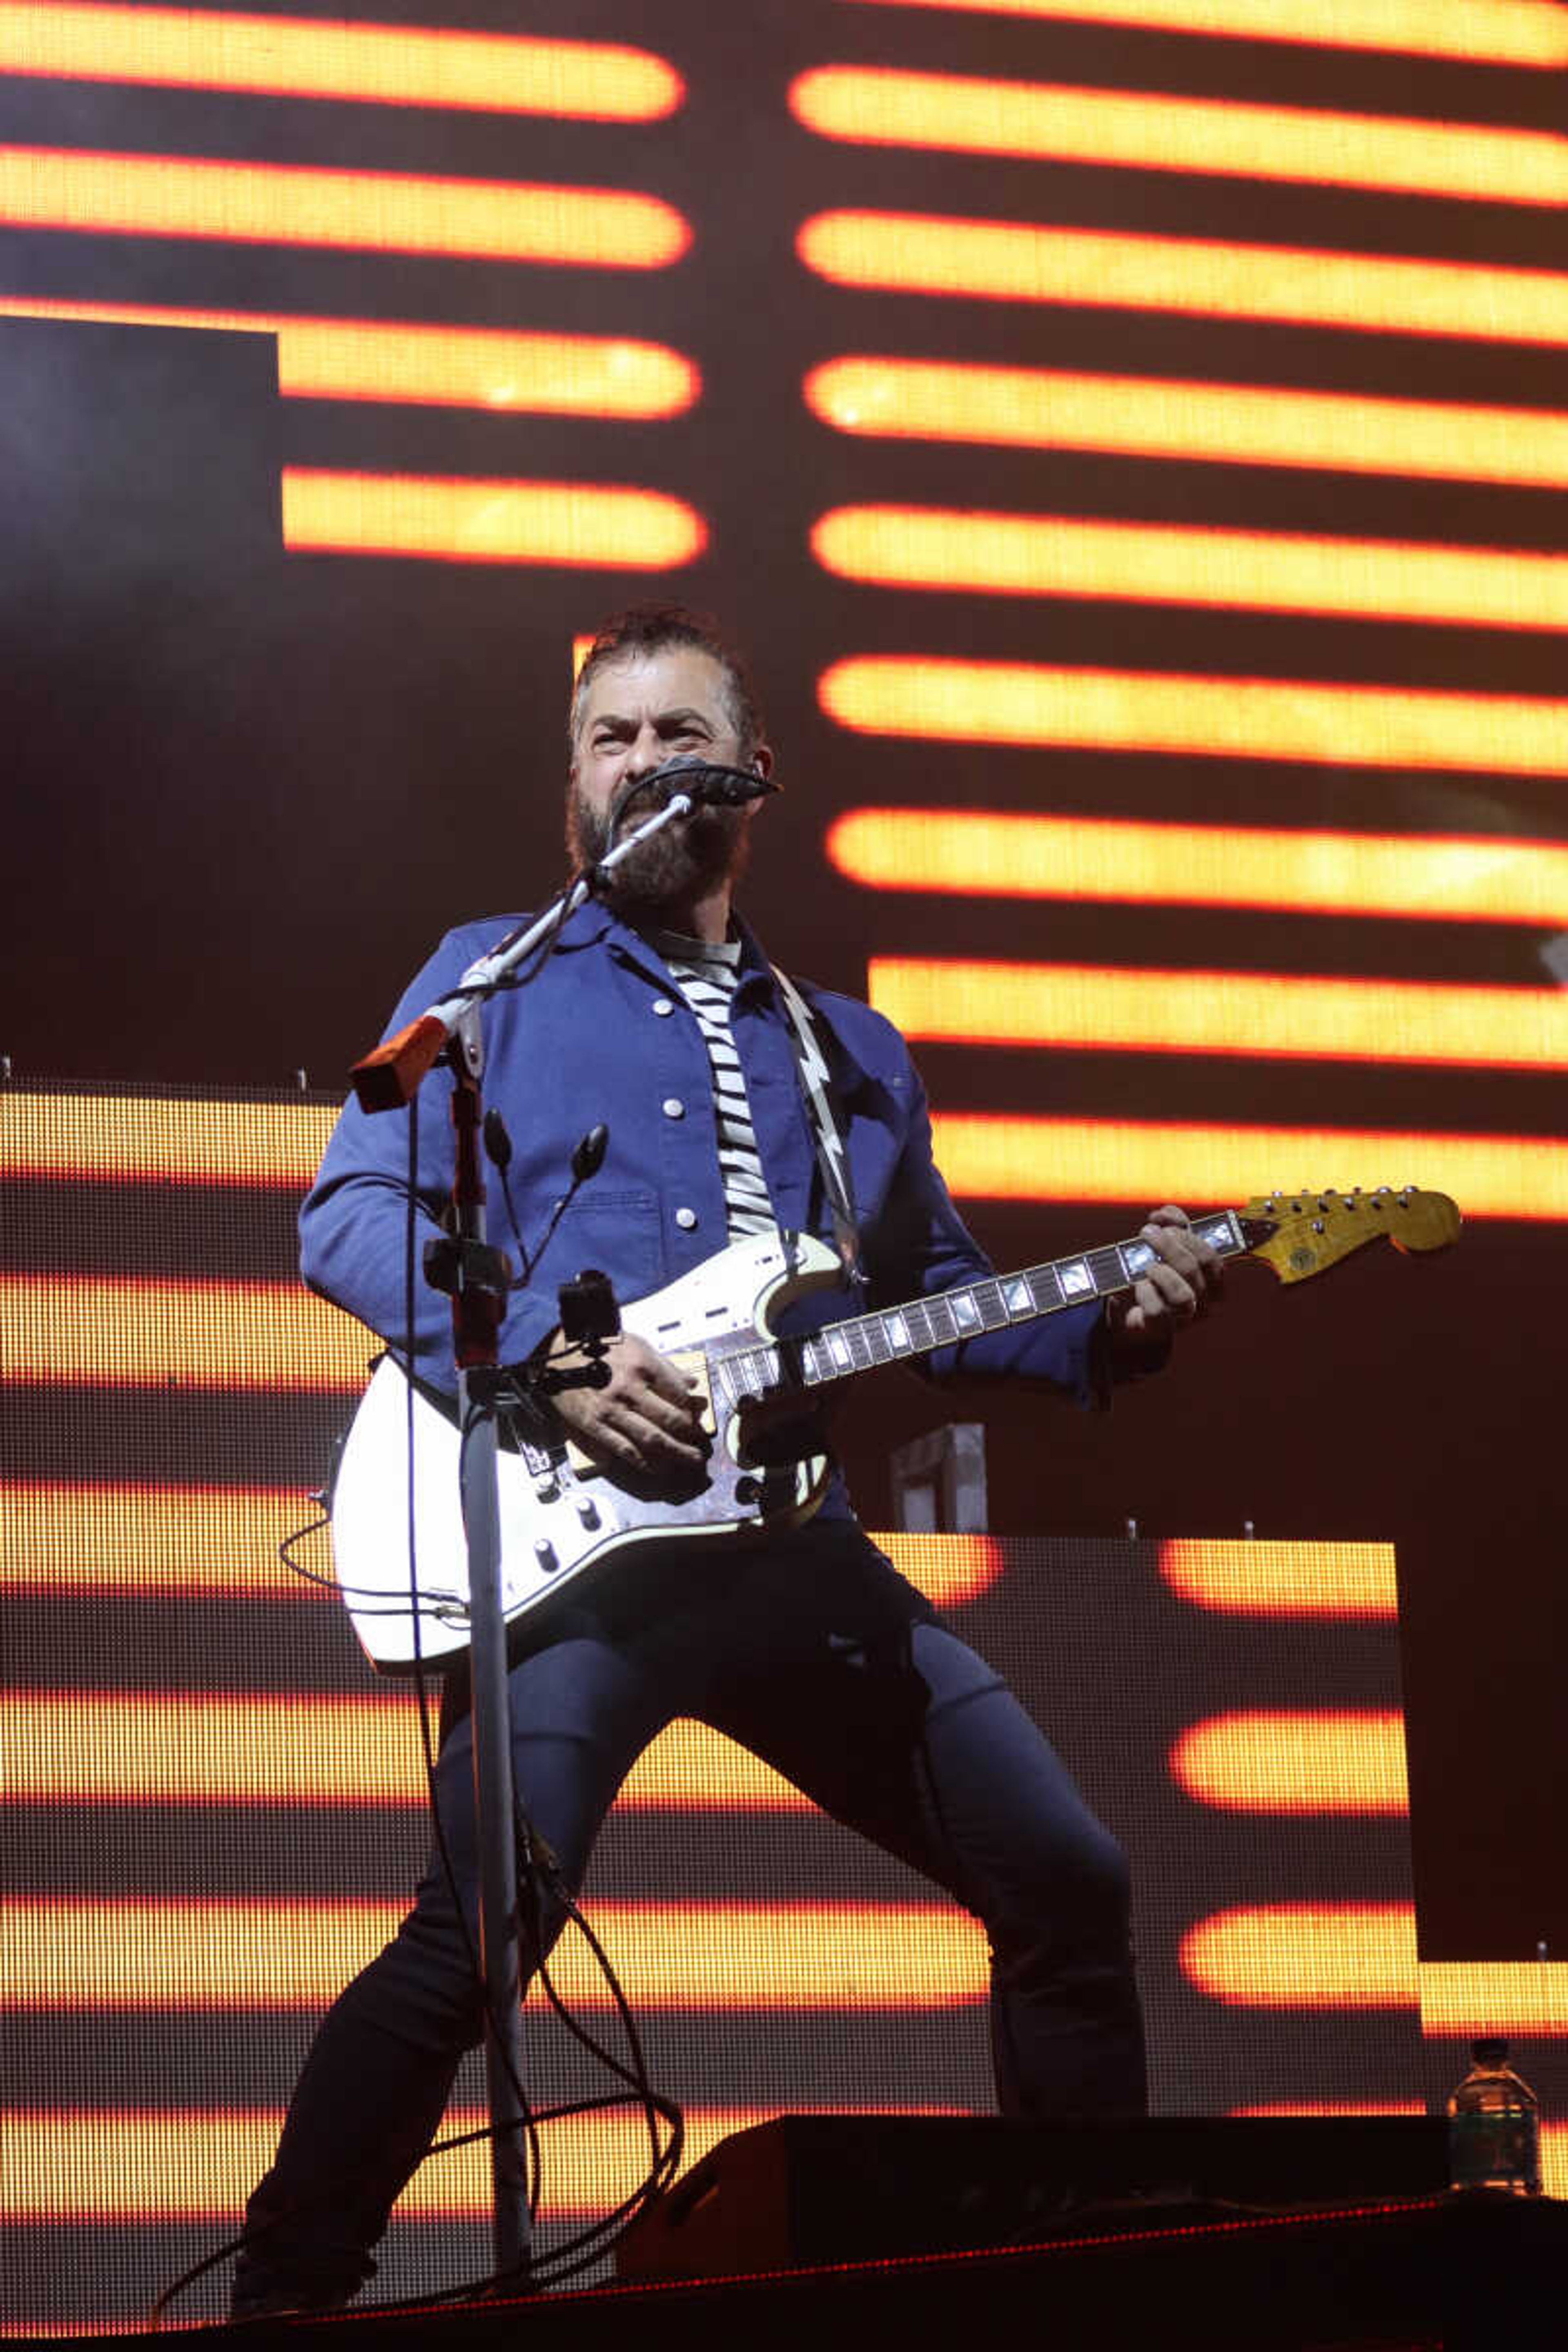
x=898, y=1334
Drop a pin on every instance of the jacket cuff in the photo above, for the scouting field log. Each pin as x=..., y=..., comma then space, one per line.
x=1112, y=1360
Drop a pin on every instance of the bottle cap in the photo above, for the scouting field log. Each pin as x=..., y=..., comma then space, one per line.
x=1490, y=2051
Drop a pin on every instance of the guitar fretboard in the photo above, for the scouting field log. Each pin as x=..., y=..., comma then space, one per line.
x=896, y=1333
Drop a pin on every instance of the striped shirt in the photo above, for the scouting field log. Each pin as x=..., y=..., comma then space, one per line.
x=707, y=976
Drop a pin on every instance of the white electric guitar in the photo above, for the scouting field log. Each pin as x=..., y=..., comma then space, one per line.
x=562, y=1516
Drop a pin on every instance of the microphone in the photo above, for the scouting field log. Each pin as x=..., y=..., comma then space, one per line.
x=709, y=784
x=587, y=1158
x=716, y=786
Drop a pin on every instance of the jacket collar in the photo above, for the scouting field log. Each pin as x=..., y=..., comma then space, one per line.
x=595, y=924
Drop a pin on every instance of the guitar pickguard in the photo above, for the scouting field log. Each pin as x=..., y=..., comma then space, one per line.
x=561, y=1515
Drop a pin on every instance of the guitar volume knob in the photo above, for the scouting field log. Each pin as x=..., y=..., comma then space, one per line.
x=587, y=1510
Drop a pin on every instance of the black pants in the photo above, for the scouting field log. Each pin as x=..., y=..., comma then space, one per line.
x=819, y=1658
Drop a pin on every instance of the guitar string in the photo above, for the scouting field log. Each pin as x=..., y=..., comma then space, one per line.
x=747, y=1373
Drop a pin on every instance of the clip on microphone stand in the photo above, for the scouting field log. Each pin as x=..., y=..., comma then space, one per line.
x=479, y=1279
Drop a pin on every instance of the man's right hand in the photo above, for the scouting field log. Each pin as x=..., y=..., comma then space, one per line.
x=648, y=1417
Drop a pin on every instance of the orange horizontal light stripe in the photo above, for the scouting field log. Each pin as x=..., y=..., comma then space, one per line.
x=462, y=521
x=1159, y=131
x=994, y=1158
x=455, y=367
x=149, y=2165
x=1492, y=32
x=972, y=551
x=1216, y=718
x=1295, y=1761
x=1528, y=1997
x=90, y=1536
x=1305, y=1956
x=1447, y=878
x=381, y=212
x=1329, y=2107
x=1262, y=1015
x=87, y=1536
x=111, y=1331
x=76, y=1953
x=948, y=1569
x=1012, y=261
x=140, y=1139
x=305, y=57
x=188, y=1748
x=1213, y=424
x=1261, y=1579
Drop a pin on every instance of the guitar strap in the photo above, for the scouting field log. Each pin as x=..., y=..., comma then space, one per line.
x=826, y=1126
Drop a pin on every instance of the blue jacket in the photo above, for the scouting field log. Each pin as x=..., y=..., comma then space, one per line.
x=603, y=1034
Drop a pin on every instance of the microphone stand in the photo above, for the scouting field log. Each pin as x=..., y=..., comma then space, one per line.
x=478, y=1278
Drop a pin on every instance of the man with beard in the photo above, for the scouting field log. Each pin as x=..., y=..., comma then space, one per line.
x=658, y=1015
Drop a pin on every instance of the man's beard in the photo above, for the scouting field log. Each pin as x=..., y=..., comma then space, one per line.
x=676, y=866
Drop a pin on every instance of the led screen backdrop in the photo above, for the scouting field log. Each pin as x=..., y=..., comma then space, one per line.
x=1133, y=436
x=215, y=1808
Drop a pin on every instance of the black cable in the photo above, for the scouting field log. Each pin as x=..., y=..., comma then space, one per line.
x=664, y=2161
x=427, y=1741
x=188, y=2278
x=360, y=1594
x=525, y=1264
x=588, y=2245
x=637, y=2076
x=533, y=2166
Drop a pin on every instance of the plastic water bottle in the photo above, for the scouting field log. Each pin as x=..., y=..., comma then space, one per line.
x=1494, y=2126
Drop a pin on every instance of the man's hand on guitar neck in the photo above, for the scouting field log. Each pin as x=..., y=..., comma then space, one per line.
x=646, y=1418
x=1182, y=1283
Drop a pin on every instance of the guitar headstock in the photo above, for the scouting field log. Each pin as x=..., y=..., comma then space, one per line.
x=1304, y=1233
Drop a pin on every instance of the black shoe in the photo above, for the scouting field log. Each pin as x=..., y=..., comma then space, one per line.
x=283, y=2301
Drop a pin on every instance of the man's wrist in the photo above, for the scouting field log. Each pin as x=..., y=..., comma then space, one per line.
x=1130, y=1355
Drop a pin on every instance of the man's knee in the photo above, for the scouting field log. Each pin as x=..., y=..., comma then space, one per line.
x=1074, y=1910
x=421, y=1990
